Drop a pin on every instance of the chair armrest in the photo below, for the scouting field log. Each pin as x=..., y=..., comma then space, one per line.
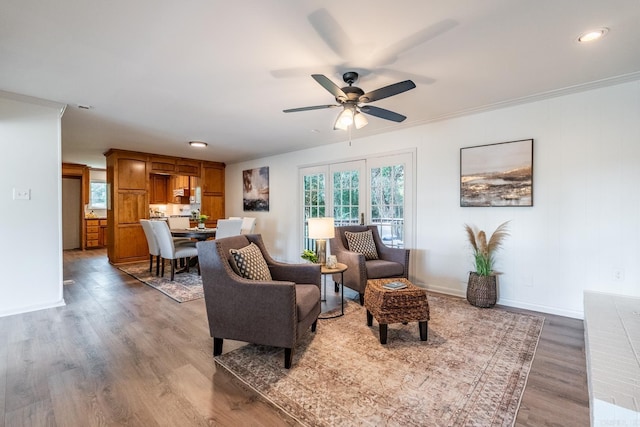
x=297, y=273
x=357, y=271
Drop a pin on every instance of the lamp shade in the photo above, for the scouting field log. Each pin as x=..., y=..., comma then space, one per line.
x=321, y=228
x=359, y=120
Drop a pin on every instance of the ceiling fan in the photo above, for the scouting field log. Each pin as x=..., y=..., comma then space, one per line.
x=352, y=97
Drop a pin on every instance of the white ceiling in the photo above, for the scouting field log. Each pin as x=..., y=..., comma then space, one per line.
x=159, y=73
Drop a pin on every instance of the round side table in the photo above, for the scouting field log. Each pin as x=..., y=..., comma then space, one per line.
x=325, y=271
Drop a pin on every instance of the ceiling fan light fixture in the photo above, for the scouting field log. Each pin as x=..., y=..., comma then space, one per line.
x=198, y=144
x=345, y=119
x=359, y=120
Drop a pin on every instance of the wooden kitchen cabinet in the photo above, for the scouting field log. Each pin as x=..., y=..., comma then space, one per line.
x=188, y=167
x=179, y=189
x=102, y=233
x=92, y=232
x=159, y=192
x=131, y=178
x=162, y=164
x=128, y=174
x=212, y=200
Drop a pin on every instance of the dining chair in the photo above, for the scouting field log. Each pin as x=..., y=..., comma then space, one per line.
x=179, y=223
x=170, y=250
x=152, y=242
x=228, y=227
x=248, y=225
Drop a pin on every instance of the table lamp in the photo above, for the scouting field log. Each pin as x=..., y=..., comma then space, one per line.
x=321, y=229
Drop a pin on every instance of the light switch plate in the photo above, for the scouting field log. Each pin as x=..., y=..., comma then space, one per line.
x=21, y=194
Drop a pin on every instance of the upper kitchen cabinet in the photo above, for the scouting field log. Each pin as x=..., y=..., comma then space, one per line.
x=213, y=178
x=188, y=167
x=179, y=189
x=162, y=165
x=159, y=189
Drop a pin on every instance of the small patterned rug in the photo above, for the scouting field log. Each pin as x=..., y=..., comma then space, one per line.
x=472, y=371
x=185, y=287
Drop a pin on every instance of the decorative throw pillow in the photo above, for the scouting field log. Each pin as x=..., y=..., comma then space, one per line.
x=362, y=243
x=250, y=263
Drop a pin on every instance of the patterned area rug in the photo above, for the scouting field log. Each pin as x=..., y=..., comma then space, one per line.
x=471, y=372
x=185, y=287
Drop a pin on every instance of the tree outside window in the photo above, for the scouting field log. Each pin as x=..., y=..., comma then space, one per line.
x=98, y=195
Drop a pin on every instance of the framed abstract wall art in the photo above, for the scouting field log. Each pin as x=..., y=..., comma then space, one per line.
x=497, y=174
x=255, y=189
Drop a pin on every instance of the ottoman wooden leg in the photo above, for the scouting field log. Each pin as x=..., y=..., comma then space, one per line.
x=383, y=333
x=423, y=330
x=369, y=318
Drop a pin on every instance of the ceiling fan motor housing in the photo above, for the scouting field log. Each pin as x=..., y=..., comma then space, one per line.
x=353, y=94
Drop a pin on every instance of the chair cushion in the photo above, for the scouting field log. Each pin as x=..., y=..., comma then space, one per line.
x=362, y=243
x=377, y=269
x=250, y=263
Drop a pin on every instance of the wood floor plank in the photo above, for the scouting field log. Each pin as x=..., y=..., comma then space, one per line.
x=231, y=408
x=37, y=414
x=122, y=353
x=74, y=399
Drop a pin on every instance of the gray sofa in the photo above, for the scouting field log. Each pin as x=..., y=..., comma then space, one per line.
x=274, y=313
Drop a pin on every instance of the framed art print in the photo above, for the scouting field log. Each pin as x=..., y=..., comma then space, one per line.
x=255, y=189
x=497, y=174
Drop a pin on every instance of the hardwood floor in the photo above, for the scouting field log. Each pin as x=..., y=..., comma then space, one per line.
x=122, y=353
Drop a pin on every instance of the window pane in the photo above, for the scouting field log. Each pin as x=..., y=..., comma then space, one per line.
x=314, y=203
x=387, y=203
x=98, y=195
x=345, y=199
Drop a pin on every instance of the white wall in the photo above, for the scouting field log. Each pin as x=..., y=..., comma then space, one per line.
x=583, y=231
x=31, y=250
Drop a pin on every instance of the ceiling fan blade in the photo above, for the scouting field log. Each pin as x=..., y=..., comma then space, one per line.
x=332, y=33
x=330, y=86
x=390, y=54
x=387, y=91
x=382, y=113
x=315, y=107
x=420, y=79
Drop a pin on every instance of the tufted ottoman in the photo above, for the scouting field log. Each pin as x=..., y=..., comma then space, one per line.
x=396, y=306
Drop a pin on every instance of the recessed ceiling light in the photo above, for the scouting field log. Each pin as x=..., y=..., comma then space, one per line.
x=593, y=35
x=198, y=144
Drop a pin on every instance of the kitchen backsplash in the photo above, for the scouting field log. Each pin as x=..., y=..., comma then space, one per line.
x=173, y=209
x=155, y=210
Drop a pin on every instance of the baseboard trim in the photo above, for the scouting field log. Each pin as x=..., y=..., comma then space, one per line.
x=30, y=308
x=507, y=302
x=543, y=308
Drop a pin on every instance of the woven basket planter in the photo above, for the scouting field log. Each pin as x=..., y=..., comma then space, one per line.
x=481, y=290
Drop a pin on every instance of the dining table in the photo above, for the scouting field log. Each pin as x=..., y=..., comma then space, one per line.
x=194, y=233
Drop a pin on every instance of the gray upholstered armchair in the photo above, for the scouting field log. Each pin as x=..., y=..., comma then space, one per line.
x=391, y=262
x=269, y=312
